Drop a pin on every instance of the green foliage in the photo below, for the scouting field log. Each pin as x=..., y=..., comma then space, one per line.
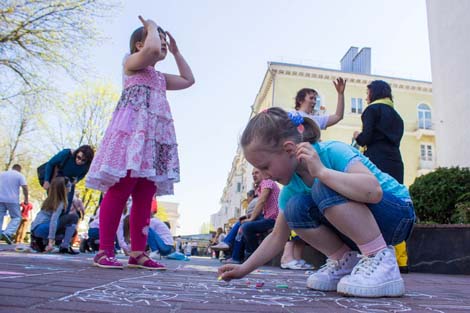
x=462, y=210
x=435, y=194
x=205, y=228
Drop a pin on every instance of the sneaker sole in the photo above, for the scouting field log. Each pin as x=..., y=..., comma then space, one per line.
x=220, y=249
x=394, y=288
x=108, y=266
x=322, y=285
x=146, y=268
x=7, y=239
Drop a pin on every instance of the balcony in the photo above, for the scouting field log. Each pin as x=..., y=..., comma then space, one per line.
x=424, y=128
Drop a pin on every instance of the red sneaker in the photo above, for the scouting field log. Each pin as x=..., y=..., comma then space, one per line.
x=145, y=262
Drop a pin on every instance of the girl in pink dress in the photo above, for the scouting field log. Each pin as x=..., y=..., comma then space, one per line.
x=138, y=156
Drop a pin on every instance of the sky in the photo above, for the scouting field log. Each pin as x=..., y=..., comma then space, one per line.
x=228, y=44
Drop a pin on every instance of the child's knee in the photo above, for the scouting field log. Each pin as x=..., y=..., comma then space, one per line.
x=301, y=212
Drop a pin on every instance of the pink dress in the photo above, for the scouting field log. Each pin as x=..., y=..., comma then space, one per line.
x=140, y=137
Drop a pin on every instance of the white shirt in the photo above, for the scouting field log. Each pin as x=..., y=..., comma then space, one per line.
x=120, y=234
x=10, y=183
x=158, y=226
x=321, y=120
x=162, y=231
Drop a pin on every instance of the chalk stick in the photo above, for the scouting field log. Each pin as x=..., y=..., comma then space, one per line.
x=282, y=286
x=219, y=278
x=259, y=285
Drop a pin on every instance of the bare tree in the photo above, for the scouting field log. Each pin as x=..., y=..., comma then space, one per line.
x=82, y=119
x=38, y=37
x=18, y=122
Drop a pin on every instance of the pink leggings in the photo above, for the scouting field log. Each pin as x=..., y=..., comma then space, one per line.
x=114, y=201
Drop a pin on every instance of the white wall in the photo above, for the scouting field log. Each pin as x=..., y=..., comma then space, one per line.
x=449, y=38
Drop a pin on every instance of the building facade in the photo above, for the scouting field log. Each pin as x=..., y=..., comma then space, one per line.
x=412, y=98
x=171, y=209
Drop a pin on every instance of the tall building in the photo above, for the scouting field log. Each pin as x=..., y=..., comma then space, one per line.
x=448, y=24
x=171, y=209
x=413, y=101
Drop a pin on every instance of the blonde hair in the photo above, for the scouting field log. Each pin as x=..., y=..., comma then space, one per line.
x=273, y=126
x=57, y=194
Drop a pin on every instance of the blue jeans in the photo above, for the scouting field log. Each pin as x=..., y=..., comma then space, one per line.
x=394, y=216
x=251, y=229
x=238, y=248
x=15, y=216
x=41, y=231
x=70, y=195
x=156, y=243
x=93, y=237
x=230, y=238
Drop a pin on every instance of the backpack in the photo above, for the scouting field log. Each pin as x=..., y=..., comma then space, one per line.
x=42, y=170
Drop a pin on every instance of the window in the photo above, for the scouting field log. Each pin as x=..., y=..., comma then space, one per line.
x=356, y=105
x=239, y=187
x=424, y=117
x=426, y=153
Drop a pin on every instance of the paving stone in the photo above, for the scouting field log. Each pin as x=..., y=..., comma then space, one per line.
x=54, y=283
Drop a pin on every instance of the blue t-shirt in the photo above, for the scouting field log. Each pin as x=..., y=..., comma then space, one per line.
x=339, y=156
x=71, y=169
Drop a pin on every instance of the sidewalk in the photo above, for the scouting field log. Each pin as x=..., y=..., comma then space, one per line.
x=61, y=283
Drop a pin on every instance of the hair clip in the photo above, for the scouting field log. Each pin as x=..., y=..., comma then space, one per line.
x=296, y=118
x=300, y=128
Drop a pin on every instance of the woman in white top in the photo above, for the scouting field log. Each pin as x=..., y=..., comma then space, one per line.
x=306, y=100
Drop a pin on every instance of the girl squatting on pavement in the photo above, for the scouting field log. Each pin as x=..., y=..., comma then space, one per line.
x=335, y=199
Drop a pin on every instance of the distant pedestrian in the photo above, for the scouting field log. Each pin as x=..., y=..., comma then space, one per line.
x=50, y=222
x=73, y=164
x=26, y=209
x=10, y=183
x=382, y=130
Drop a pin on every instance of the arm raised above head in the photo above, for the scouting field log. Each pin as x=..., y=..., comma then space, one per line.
x=150, y=52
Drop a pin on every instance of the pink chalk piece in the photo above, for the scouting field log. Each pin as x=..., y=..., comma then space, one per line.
x=11, y=273
x=259, y=285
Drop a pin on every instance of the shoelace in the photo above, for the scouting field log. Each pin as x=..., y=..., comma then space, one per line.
x=366, y=265
x=330, y=266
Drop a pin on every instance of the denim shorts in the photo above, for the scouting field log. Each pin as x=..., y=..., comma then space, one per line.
x=394, y=216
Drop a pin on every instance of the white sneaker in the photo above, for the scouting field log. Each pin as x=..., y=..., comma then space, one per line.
x=220, y=246
x=375, y=276
x=328, y=276
x=155, y=255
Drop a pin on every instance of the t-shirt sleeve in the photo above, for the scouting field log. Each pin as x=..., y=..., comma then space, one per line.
x=266, y=184
x=321, y=120
x=340, y=155
x=22, y=180
x=284, y=197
